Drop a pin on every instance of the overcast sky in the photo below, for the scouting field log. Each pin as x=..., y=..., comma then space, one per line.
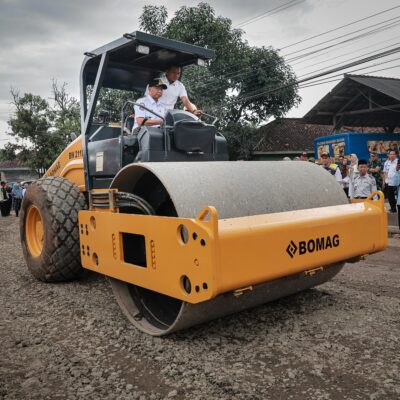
x=45, y=39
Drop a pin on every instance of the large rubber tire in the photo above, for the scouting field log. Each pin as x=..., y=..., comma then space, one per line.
x=49, y=229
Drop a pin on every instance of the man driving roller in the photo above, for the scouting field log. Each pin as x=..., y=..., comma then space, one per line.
x=175, y=89
x=152, y=102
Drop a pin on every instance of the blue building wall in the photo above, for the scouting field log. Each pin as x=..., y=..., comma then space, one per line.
x=358, y=143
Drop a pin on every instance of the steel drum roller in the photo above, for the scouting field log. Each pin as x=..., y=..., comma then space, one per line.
x=236, y=189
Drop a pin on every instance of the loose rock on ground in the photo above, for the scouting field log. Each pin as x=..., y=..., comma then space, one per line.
x=71, y=341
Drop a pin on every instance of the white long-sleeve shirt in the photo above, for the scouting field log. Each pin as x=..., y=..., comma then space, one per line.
x=389, y=169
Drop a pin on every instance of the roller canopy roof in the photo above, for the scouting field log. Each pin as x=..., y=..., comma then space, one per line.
x=128, y=69
x=359, y=100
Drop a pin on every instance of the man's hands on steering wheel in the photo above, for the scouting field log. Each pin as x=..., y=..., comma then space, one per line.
x=197, y=113
x=143, y=123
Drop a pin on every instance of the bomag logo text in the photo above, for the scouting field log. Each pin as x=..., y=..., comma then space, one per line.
x=312, y=245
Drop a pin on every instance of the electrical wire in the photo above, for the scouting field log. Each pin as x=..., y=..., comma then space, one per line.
x=341, y=36
x=305, y=59
x=372, y=57
x=241, y=72
x=383, y=69
x=340, y=27
x=352, y=39
x=250, y=96
x=268, y=13
x=374, y=30
x=264, y=14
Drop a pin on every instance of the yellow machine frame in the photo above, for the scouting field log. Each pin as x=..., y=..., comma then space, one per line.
x=197, y=259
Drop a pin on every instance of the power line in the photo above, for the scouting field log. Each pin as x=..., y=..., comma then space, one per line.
x=370, y=66
x=371, y=57
x=269, y=13
x=328, y=79
x=357, y=61
x=395, y=50
x=292, y=1
x=382, y=69
x=242, y=72
x=224, y=75
x=321, y=69
x=340, y=27
x=345, y=54
x=341, y=36
x=250, y=96
x=363, y=35
x=320, y=83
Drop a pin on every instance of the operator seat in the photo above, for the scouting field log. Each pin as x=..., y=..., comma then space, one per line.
x=189, y=134
x=193, y=136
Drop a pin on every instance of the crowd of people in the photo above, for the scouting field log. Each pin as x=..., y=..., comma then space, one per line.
x=359, y=178
x=11, y=197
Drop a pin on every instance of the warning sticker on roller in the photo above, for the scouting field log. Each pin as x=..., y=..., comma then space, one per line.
x=99, y=161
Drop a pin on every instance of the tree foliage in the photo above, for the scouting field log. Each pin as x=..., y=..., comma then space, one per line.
x=40, y=131
x=65, y=112
x=244, y=85
x=154, y=18
x=112, y=101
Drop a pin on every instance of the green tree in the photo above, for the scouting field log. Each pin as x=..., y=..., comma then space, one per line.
x=41, y=131
x=65, y=113
x=244, y=85
x=112, y=101
x=155, y=19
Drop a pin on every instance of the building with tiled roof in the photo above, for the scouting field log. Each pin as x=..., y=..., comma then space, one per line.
x=288, y=137
x=15, y=171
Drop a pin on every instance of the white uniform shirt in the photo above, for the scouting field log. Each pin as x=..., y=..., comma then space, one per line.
x=389, y=169
x=171, y=94
x=362, y=186
x=152, y=104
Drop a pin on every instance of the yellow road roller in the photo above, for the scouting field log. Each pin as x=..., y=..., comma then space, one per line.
x=184, y=235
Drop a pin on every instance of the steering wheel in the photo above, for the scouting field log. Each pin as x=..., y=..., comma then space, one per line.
x=143, y=122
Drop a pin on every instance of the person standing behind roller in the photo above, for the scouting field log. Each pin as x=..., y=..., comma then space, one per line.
x=303, y=156
x=332, y=168
x=4, y=199
x=175, y=90
x=390, y=188
x=353, y=169
x=396, y=180
x=363, y=184
x=344, y=171
x=375, y=168
x=17, y=197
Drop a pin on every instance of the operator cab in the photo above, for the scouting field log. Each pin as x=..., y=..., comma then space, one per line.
x=181, y=137
x=129, y=64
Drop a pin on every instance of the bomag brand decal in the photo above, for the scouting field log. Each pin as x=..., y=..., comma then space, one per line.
x=54, y=170
x=75, y=154
x=312, y=245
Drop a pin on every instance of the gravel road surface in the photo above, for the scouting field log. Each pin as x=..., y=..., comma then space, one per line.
x=70, y=341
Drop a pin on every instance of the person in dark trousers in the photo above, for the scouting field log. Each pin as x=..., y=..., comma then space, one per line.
x=9, y=201
x=17, y=197
x=390, y=188
x=344, y=170
x=375, y=169
x=397, y=183
x=4, y=200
